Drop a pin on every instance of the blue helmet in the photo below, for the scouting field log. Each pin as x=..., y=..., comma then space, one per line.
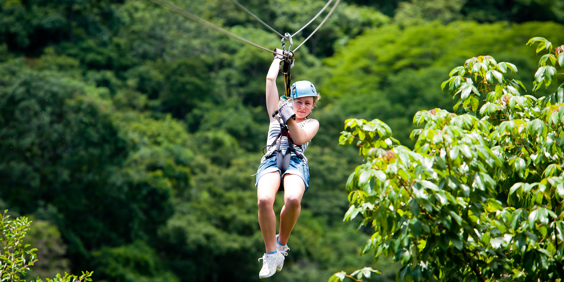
x=302, y=88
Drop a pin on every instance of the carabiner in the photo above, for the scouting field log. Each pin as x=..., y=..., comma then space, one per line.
x=288, y=37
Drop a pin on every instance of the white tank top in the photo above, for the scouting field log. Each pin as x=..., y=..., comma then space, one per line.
x=273, y=131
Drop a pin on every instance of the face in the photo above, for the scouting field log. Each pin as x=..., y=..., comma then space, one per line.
x=303, y=106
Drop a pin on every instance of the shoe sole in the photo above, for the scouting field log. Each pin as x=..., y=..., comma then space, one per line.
x=268, y=276
x=277, y=270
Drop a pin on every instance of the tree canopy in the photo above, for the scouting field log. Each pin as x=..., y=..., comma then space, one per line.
x=129, y=134
x=480, y=195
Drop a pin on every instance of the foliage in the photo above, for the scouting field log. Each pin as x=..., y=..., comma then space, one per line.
x=51, y=250
x=17, y=257
x=480, y=196
x=418, y=11
x=151, y=125
x=394, y=72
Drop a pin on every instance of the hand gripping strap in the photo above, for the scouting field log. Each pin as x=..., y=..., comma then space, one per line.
x=286, y=113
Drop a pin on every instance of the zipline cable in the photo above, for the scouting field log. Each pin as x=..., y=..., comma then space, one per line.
x=205, y=23
x=325, y=19
x=256, y=18
x=324, y=7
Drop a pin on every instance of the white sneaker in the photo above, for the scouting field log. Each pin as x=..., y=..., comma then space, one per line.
x=269, y=264
x=283, y=250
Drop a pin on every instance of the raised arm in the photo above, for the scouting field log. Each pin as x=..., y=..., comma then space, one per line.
x=271, y=89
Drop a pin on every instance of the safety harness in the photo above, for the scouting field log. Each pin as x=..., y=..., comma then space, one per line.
x=283, y=158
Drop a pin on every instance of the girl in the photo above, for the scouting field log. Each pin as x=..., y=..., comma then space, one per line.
x=272, y=173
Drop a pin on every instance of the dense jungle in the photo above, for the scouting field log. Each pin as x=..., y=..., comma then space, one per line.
x=129, y=134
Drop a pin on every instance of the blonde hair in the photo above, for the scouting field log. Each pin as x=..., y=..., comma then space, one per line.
x=317, y=98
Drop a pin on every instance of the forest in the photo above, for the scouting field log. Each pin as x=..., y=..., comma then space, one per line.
x=129, y=134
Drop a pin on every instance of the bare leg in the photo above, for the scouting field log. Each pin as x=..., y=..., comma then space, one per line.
x=266, y=193
x=294, y=188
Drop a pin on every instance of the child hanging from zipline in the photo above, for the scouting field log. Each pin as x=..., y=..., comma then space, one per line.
x=284, y=165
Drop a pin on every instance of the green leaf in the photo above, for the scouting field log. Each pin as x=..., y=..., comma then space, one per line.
x=532, y=218
x=520, y=164
x=430, y=185
x=494, y=205
x=489, y=77
x=465, y=151
x=560, y=190
x=543, y=215
x=454, y=153
x=540, y=47
x=547, y=45
x=516, y=219
x=522, y=85
x=535, y=39
x=553, y=119
x=444, y=84
x=416, y=227
x=550, y=170
x=350, y=182
x=476, y=67
x=380, y=175
x=414, y=207
x=479, y=182
x=496, y=242
x=539, y=75
x=543, y=59
x=350, y=123
x=339, y=276
x=561, y=59
x=466, y=90
x=456, y=241
x=364, y=177
x=512, y=67
x=550, y=72
x=502, y=67
x=361, y=134
x=498, y=76
x=515, y=187
x=352, y=212
x=456, y=217
x=459, y=69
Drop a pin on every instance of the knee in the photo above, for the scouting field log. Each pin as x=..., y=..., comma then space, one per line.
x=292, y=202
x=265, y=203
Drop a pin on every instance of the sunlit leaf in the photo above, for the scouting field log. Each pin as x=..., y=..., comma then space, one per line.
x=539, y=75
x=532, y=218
x=498, y=76
x=540, y=47
x=496, y=242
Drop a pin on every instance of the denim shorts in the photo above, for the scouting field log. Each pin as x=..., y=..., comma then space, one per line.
x=297, y=167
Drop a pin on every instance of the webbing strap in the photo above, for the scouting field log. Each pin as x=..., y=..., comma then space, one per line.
x=287, y=78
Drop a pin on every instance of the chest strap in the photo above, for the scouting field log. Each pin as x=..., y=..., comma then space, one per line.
x=283, y=158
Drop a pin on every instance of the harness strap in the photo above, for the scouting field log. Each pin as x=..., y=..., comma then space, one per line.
x=283, y=158
x=287, y=77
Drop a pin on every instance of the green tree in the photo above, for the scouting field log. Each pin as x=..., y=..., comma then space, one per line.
x=391, y=71
x=480, y=195
x=17, y=257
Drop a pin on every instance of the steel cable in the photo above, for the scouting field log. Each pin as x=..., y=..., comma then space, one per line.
x=325, y=19
x=256, y=18
x=205, y=23
x=324, y=7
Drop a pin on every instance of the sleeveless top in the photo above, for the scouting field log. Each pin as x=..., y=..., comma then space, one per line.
x=274, y=130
